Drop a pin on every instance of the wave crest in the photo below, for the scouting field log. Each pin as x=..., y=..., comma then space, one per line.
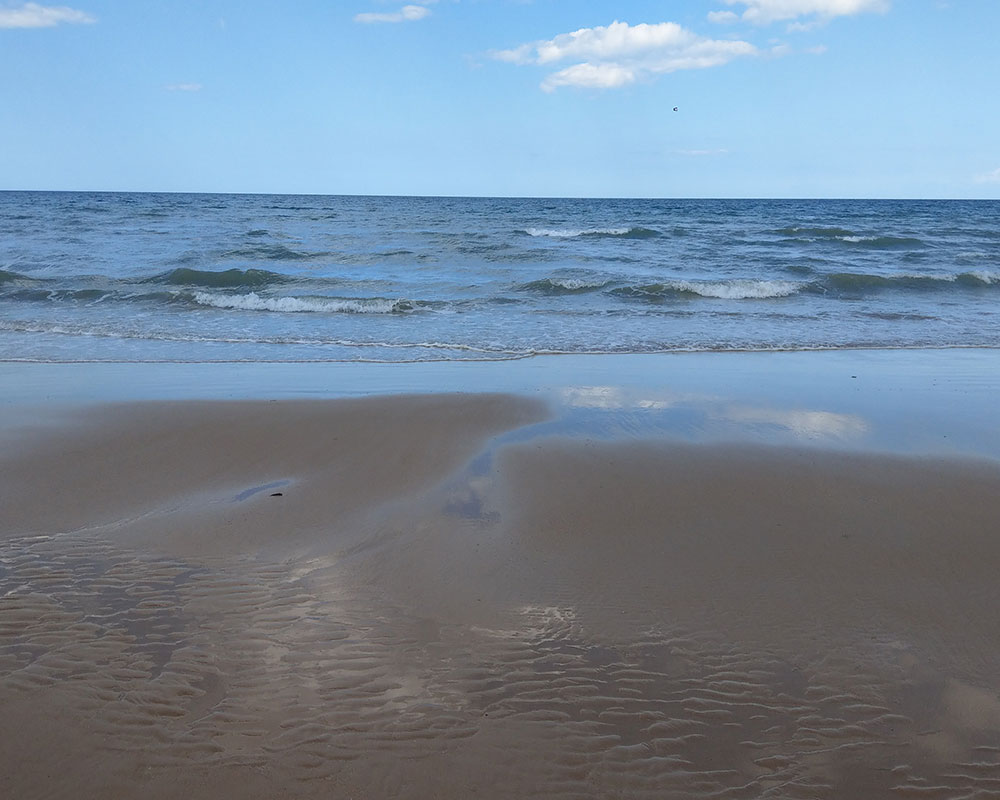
x=6, y=276
x=813, y=231
x=884, y=242
x=292, y=305
x=741, y=289
x=557, y=286
x=595, y=233
x=270, y=252
x=849, y=237
x=980, y=277
x=861, y=282
x=225, y=279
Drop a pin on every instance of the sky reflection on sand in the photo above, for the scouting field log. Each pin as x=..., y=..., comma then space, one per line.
x=917, y=402
x=687, y=413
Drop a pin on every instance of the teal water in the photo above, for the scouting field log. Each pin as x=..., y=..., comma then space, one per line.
x=170, y=277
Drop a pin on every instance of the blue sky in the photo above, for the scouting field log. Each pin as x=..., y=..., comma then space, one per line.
x=774, y=98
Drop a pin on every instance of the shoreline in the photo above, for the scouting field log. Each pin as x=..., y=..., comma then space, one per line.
x=664, y=583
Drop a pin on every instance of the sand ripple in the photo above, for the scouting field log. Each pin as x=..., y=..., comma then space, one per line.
x=270, y=670
x=557, y=620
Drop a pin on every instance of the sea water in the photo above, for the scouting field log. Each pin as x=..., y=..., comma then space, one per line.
x=183, y=277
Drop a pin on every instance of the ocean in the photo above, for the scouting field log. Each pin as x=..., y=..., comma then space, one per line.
x=200, y=278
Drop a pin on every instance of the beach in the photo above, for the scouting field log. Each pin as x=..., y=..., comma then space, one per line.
x=641, y=577
x=500, y=400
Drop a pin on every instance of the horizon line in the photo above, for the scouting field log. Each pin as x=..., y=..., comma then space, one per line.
x=495, y=196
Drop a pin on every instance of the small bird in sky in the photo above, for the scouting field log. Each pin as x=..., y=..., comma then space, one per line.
x=675, y=108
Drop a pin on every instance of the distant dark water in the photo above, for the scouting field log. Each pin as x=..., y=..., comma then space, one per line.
x=96, y=276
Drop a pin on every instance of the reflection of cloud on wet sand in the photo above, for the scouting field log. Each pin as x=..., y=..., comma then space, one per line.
x=800, y=423
x=615, y=398
x=809, y=424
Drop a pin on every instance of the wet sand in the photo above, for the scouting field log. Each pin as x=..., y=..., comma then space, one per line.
x=419, y=596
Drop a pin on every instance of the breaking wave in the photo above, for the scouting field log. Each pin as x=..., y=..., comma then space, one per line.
x=596, y=233
x=722, y=290
x=981, y=276
x=884, y=242
x=328, y=305
x=558, y=286
x=853, y=238
x=838, y=283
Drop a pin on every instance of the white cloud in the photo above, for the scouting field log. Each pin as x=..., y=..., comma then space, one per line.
x=722, y=17
x=989, y=177
x=183, y=87
x=620, y=54
x=761, y=12
x=33, y=15
x=591, y=76
x=405, y=14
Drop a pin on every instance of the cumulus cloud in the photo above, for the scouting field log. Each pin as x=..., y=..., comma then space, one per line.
x=762, y=12
x=620, y=54
x=33, y=15
x=405, y=14
x=989, y=177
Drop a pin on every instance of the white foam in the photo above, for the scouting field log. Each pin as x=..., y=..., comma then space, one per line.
x=571, y=233
x=574, y=284
x=254, y=302
x=986, y=275
x=739, y=289
x=17, y=326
